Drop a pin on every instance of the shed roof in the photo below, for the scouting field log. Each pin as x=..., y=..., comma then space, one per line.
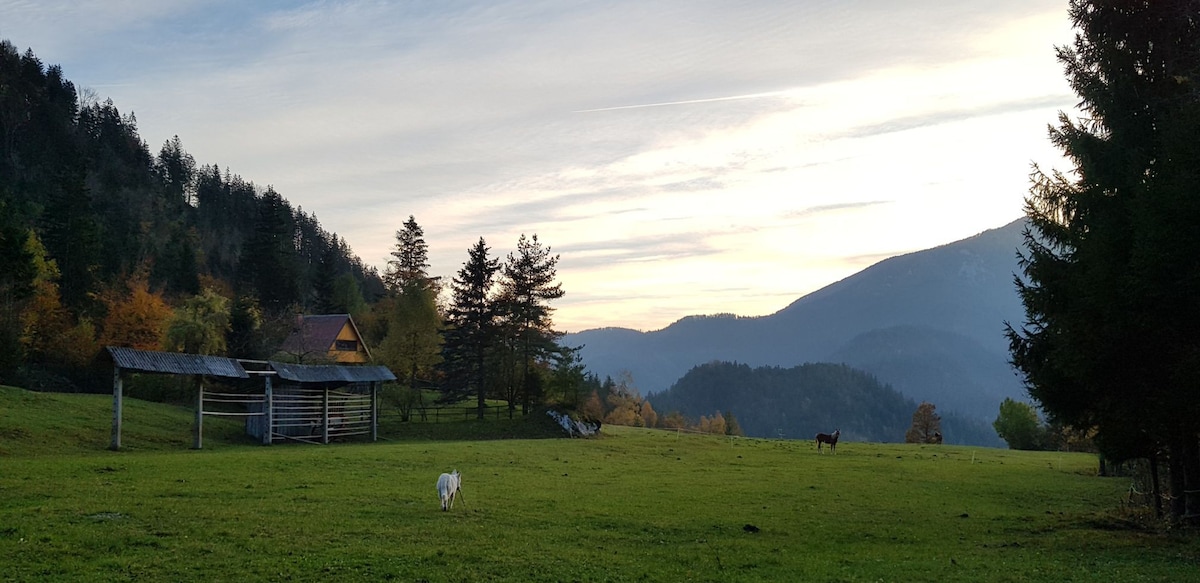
x=310, y=373
x=176, y=363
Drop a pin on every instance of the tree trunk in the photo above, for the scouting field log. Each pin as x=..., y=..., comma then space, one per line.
x=1155, y=489
x=1175, y=465
x=1191, y=479
x=479, y=372
x=525, y=400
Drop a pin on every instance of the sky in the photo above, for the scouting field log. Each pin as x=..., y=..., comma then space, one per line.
x=681, y=157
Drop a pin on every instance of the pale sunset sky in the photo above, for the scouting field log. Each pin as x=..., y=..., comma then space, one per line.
x=683, y=157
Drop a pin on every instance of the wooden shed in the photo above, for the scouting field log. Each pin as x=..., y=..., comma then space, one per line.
x=315, y=403
x=321, y=402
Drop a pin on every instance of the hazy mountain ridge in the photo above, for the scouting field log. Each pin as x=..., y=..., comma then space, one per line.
x=945, y=368
x=929, y=323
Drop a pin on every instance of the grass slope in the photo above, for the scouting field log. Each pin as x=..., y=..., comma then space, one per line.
x=635, y=505
x=33, y=423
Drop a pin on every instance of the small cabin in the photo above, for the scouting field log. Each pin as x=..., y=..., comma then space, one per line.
x=325, y=338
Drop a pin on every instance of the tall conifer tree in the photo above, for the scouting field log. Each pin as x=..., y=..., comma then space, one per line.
x=410, y=258
x=1111, y=339
x=269, y=259
x=471, y=326
x=526, y=288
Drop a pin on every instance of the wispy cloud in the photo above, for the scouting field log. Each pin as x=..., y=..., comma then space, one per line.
x=684, y=102
x=662, y=148
x=949, y=116
x=816, y=210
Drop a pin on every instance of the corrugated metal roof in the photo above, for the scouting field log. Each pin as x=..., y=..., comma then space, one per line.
x=176, y=363
x=312, y=373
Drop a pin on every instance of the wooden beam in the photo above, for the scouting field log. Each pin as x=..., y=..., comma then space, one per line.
x=269, y=406
x=115, y=444
x=374, y=411
x=325, y=417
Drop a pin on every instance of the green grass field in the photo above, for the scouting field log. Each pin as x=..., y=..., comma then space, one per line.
x=633, y=505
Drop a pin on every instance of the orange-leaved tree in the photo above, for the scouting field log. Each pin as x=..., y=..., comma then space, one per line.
x=48, y=334
x=926, y=425
x=137, y=319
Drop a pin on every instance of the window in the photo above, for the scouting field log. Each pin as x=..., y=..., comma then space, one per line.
x=346, y=345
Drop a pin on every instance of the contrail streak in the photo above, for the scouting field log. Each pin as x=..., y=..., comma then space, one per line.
x=686, y=102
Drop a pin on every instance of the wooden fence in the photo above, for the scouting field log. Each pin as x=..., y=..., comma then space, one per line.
x=454, y=414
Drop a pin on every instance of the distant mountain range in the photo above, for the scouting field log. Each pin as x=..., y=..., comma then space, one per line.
x=930, y=324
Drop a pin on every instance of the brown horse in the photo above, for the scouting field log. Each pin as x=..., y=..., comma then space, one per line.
x=831, y=439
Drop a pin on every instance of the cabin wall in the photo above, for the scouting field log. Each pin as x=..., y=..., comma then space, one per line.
x=358, y=356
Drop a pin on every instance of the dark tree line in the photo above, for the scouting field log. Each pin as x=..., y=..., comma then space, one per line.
x=499, y=335
x=803, y=400
x=1111, y=341
x=81, y=189
x=494, y=337
x=798, y=401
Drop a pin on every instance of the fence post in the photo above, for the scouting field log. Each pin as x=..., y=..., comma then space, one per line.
x=118, y=397
x=268, y=411
x=325, y=416
x=374, y=411
x=198, y=441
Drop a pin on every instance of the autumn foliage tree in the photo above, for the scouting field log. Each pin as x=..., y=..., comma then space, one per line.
x=137, y=319
x=714, y=424
x=593, y=406
x=48, y=334
x=926, y=425
x=624, y=405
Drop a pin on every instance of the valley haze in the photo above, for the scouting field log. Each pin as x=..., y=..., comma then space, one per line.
x=930, y=324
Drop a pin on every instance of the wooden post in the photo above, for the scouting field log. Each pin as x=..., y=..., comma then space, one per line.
x=116, y=422
x=269, y=411
x=325, y=417
x=374, y=411
x=198, y=442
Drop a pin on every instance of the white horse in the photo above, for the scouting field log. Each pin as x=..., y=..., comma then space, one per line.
x=448, y=486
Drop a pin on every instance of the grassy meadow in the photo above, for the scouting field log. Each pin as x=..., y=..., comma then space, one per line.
x=632, y=505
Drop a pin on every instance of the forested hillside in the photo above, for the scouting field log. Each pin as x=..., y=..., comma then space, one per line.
x=93, y=222
x=800, y=401
x=106, y=243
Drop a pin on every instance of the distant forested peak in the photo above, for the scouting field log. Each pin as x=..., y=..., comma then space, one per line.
x=795, y=402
